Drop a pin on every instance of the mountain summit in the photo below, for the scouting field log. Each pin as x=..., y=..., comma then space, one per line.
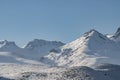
x=94, y=35
x=116, y=36
x=37, y=43
x=8, y=45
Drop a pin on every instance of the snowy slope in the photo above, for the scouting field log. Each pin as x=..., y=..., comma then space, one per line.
x=91, y=49
x=36, y=72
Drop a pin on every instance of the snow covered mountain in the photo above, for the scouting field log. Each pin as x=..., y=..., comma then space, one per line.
x=39, y=46
x=116, y=36
x=10, y=52
x=93, y=48
x=31, y=53
x=8, y=46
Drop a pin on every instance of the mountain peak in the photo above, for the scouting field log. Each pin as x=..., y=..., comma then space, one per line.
x=117, y=34
x=4, y=43
x=118, y=30
x=41, y=42
x=92, y=33
x=93, y=30
x=38, y=44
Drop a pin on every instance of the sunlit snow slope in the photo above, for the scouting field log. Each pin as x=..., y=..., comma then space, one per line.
x=91, y=49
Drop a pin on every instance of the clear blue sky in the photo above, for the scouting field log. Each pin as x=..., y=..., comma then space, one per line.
x=64, y=20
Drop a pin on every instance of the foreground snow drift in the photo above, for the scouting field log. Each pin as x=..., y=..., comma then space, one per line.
x=37, y=72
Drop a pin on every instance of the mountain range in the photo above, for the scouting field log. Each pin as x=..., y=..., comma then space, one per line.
x=93, y=56
x=92, y=48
